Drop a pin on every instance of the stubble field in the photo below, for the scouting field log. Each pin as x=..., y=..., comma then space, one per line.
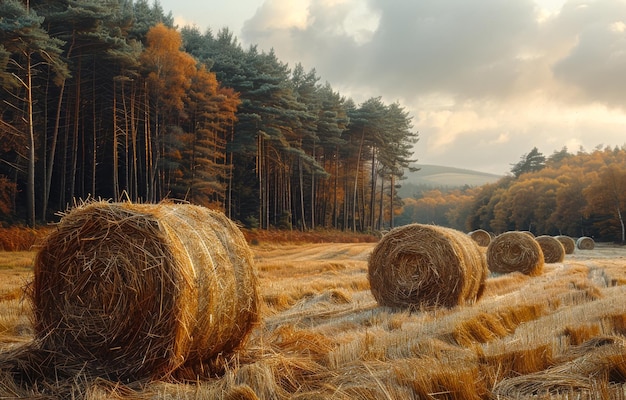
x=323, y=336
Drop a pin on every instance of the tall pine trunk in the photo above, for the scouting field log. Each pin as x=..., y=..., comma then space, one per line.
x=30, y=195
x=356, y=181
x=52, y=153
x=74, y=154
x=116, y=184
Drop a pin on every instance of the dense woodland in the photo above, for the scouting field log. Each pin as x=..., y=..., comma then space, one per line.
x=108, y=99
x=581, y=194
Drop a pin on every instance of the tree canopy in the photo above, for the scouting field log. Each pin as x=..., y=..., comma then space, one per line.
x=581, y=194
x=126, y=106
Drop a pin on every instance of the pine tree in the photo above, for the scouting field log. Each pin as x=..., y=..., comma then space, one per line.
x=531, y=162
x=31, y=49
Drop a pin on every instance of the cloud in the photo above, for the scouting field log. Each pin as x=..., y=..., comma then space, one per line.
x=276, y=15
x=595, y=65
x=486, y=81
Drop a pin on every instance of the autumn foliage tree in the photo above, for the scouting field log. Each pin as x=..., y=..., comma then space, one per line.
x=581, y=194
x=146, y=112
x=606, y=198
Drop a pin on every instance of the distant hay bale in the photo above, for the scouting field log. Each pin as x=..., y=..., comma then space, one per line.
x=481, y=236
x=585, y=243
x=418, y=265
x=568, y=243
x=144, y=290
x=515, y=251
x=553, y=250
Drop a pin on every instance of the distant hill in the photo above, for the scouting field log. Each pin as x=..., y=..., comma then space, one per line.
x=440, y=176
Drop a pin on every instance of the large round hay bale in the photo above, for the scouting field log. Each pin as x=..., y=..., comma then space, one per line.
x=585, y=243
x=144, y=290
x=481, y=236
x=515, y=251
x=422, y=266
x=552, y=249
x=568, y=243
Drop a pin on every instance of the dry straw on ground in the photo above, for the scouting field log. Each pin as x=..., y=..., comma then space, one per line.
x=585, y=243
x=568, y=243
x=419, y=265
x=515, y=251
x=481, y=236
x=142, y=290
x=553, y=250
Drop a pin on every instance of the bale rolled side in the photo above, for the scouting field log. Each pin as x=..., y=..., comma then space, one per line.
x=585, y=243
x=515, y=251
x=417, y=266
x=568, y=243
x=144, y=290
x=481, y=236
x=552, y=249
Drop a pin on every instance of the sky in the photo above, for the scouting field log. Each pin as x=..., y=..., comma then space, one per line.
x=485, y=81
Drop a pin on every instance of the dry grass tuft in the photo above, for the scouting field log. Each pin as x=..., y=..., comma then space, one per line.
x=513, y=315
x=482, y=328
x=131, y=291
x=20, y=238
x=241, y=392
x=581, y=333
x=424, y=266
x=585, y=243
x=515, y=251
x=481, y=236
x=568, y=243
x=553, y=250
x=517, y=361
x=502, y=284
x=581, y=377
x=432, y=379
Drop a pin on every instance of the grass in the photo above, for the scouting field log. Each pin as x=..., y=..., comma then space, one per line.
x=322, y=335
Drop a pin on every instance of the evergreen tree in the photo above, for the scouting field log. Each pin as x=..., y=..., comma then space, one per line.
x=31, y=50
x=532, y=162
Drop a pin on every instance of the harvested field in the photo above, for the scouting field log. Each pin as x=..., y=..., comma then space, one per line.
x=322, y=335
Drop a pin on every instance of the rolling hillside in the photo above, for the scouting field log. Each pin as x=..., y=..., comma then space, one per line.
x=441, y=176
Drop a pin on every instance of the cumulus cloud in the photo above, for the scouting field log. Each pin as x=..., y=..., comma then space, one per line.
x=596, y=63
x=478, y=76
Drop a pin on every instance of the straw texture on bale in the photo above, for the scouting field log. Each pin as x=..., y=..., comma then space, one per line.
x=144, y=290
x=585, y=243
x=481, y=236
x=422, y=266
x=568, y=243
x=515, y=251
x=552, y=249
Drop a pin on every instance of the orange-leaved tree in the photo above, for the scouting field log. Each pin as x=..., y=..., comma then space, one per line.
x=169, y=76
x=606, y=195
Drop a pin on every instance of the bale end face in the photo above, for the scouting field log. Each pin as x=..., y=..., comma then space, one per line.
x=568, y=243
x=515, y=251
x=481, y=236
x=585, y=243
x=553, y=250
x=143, y=290
x=423, y=266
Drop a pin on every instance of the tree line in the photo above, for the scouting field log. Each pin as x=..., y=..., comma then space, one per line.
x=581, y=194
x=107, y=99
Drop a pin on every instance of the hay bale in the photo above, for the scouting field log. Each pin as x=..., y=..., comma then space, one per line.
x=481, y=236
x=585, y=243
x=419, y=265
x=144, y=290
x=568, y=243
x=515, y=251
x=553, y=250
